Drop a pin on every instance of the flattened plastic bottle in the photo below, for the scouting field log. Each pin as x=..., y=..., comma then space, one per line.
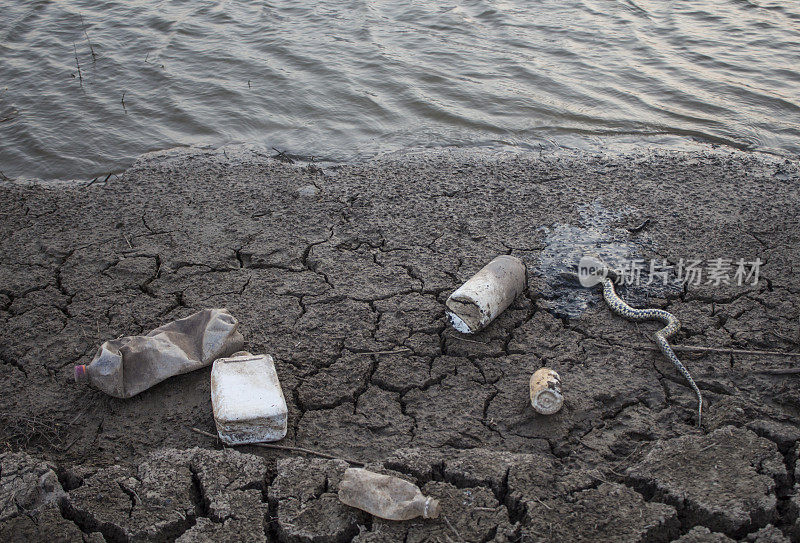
x=385, y=496
x=126, y=366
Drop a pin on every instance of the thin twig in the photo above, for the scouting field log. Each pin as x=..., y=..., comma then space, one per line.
x=639, y=228
x=459, y=338
x=287, y=448
x=396, y=351
x=78, y=64
x=618, y=474
x=708, y=447
x=698, y=348
x=598, y=478
x=283, y=156
x=786, y=371
x=540, y=501
x=79, y=415
x=94, y=57
x=298, y=515
x=70, y=444
x=447, y=521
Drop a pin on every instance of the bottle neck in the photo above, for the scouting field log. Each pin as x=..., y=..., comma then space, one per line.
x=428, y=507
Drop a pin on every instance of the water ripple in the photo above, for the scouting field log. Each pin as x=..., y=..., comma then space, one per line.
x=354, y=77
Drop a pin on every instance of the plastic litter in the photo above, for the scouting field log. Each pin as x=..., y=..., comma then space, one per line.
x=486, y=294
x=126, y=366
x=385, y=496
x=247, y=399
x=546, y=397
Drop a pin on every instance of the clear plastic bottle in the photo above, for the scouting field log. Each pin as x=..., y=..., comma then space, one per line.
x=385, y=496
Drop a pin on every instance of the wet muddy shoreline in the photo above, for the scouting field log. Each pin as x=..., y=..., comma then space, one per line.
x=341, y=274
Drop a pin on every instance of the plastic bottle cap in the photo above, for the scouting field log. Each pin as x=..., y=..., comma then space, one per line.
x=80, y=374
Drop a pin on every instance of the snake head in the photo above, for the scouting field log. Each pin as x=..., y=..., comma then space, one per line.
x=592, y=270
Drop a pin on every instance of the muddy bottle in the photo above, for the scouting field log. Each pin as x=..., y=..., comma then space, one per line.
x=546, y=396
x=385, y=496
x=126, y=366
x=486, y=294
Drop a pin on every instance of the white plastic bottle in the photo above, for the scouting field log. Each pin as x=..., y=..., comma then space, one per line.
x=486, y=294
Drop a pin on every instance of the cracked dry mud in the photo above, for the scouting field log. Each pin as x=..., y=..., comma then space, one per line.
x=341, y=275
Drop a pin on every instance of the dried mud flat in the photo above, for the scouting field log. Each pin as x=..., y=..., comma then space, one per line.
x=341, y=275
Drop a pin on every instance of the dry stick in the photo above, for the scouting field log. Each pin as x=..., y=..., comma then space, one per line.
x=458, y=535
x=698, y=348
x=396, y=351
x=459, y=338
x=71, y=443
x=787, y=371
x=690, y=348
x=541, y=502
x=85, y=409
x=78, y=64
x=287, y=448
x=94, y=57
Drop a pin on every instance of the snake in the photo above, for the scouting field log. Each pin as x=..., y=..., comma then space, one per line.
x=618, y=306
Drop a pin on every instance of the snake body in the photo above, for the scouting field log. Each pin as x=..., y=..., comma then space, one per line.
x=625, y=311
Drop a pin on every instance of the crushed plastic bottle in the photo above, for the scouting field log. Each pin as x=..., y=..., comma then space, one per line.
x=126, y=366
x=385, y=496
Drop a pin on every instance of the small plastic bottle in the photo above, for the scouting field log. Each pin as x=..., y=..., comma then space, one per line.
x=486, y=294
x=546, y=396
x=385, y=496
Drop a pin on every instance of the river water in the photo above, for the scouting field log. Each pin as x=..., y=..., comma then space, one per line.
x=345, y=79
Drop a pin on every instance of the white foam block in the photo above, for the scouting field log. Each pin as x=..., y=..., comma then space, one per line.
x=247, y=399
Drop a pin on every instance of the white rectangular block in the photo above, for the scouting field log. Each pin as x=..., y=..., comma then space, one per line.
x=247, y=399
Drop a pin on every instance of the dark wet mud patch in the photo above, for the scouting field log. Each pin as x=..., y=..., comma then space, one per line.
x=610, y=234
